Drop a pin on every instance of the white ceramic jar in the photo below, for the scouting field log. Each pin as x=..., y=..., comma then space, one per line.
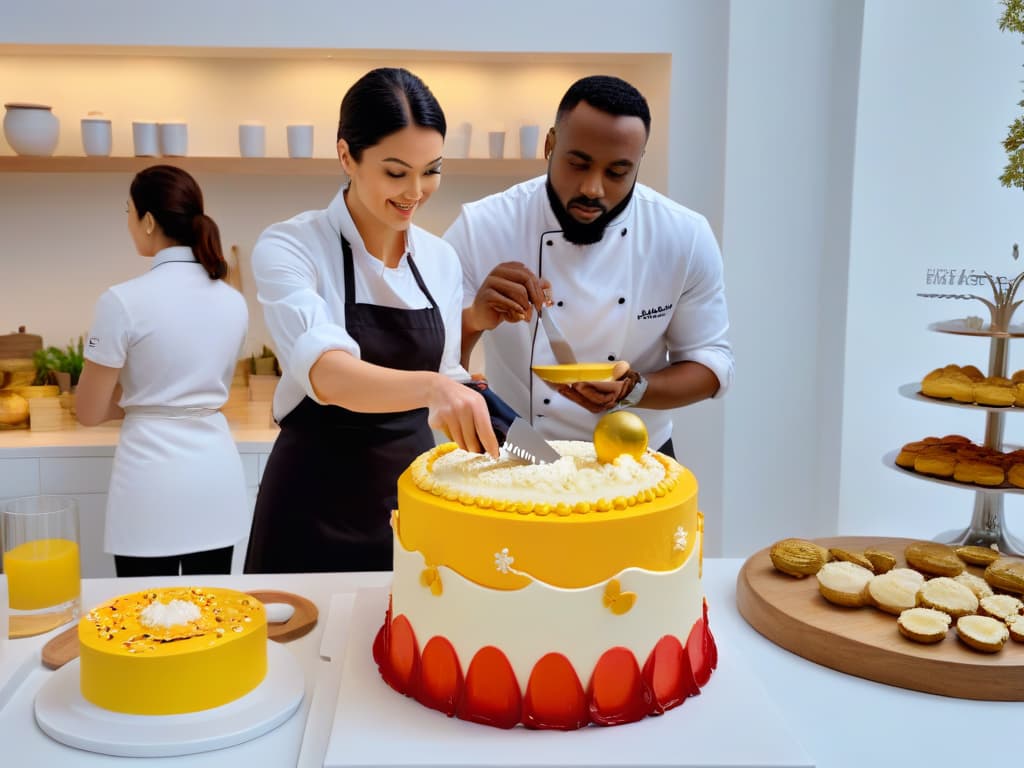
x=97, y=137
x=31, y=129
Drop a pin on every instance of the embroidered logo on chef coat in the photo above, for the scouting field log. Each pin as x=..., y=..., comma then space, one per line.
x=93, y=341
x=654, y=312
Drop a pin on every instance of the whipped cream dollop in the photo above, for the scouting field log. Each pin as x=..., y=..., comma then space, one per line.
x=172, y=614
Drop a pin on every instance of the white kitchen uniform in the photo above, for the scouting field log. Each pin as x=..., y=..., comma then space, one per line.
x=299, y=274
x=650, y=292
x=177, y=485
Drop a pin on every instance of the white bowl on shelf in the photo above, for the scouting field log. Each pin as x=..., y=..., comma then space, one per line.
x=31, y=129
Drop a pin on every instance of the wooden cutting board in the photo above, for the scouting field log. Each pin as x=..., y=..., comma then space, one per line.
x=865, y=641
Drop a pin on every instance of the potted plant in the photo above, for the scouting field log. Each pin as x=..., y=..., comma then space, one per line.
x=62, y=367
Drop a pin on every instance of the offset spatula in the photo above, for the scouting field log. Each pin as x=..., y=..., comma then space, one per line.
x=559, y=346
x=527, y=443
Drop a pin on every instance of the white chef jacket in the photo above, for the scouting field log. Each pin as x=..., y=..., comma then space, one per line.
x=301, y=285
x=650, y=292
x=177, y=484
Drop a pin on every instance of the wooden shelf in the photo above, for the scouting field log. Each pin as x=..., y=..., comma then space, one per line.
x=253, y=166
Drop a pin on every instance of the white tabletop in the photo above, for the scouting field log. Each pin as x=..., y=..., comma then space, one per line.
x=840, y=720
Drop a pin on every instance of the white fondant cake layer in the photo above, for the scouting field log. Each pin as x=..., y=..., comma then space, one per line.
x=528, y=623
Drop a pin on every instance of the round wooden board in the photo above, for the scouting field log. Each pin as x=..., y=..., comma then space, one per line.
x=301, y=622
x=865, y=641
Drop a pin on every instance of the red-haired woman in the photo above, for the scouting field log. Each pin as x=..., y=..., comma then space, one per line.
x=161, y=354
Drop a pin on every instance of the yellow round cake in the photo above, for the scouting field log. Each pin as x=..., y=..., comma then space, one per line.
x=548, y=595
x=172, y=650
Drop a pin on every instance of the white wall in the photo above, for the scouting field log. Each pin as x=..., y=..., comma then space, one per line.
x=791, y=98
x=939, y=86
x=693, y=32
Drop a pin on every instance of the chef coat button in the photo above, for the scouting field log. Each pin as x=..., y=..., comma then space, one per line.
x=623, y=232
x=547, y=401
x=550, y=242
x=622, y=300
x=611, y=357
x=561, y=303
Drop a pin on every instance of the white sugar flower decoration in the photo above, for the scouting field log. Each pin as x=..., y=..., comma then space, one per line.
x=680, y=538
x=502, y=560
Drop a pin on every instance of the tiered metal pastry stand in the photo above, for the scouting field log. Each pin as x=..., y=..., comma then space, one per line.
x=987, y=526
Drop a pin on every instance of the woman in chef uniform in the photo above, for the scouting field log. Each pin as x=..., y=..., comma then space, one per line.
x=365, y=312
x=161, y=354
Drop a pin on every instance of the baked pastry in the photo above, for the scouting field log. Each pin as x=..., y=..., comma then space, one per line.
x=172, y=650
x=993, y=393
x=892, y=593
x=974, y=555
x=1007, y=575
x=798, y=557
x=939, y=462
x=881, y=561
x=851, y=557
x=1015, y=475
x=844, y=583
x=933, y=558
x=949, y=596
x=978, y=472
x=1015, y=625
x=1002, y=607
x=976, y=584
x=982, y=633
x=923, y=625
x=972, y=373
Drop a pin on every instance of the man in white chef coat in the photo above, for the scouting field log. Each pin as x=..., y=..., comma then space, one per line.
x=626, y=273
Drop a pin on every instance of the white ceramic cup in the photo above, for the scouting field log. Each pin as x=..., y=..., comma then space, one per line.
x=300, y=141
x=173, y=139
x=456, y=143
x=529, y=135
x=144, y=139
x=496, y=144
x=252, y=140
x=97, y=138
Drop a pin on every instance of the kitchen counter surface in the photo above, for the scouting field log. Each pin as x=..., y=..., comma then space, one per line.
x=251, y=426
x=840, y=721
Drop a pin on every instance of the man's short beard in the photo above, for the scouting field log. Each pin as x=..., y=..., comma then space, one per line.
x=577, y=232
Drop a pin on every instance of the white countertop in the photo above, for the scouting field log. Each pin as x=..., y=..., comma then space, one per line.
x=840, y=721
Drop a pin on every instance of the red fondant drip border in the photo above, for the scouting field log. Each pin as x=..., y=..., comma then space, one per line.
x=618, y=690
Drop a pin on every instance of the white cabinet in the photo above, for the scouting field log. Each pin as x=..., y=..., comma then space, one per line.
x=87, y=478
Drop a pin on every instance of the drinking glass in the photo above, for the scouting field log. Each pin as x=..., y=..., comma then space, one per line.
x=40, y=542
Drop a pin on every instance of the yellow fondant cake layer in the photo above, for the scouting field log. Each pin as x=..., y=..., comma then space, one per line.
x=506, y=549
x=128, y=665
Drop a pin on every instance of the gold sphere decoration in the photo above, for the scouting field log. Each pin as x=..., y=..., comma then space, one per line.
x=617, y=433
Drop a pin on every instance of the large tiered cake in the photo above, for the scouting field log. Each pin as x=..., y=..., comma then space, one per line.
x=173, y=650
x=552, y=595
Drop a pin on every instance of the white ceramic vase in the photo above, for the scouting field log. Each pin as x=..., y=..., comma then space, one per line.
x=31, y=129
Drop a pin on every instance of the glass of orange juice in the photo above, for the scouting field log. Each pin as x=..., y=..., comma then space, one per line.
x=44, y=583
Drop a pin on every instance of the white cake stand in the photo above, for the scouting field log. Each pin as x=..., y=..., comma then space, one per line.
x=64, y=715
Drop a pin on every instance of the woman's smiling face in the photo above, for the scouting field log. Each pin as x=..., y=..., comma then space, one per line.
x=393, y=177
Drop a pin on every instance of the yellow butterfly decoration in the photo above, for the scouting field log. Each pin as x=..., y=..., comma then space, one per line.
x=617, y=601
x=429, y=577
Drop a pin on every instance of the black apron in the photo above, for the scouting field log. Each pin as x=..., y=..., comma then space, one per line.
x=330, y=483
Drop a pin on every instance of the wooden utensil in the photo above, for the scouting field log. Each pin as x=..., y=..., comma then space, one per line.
x=62, y=648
